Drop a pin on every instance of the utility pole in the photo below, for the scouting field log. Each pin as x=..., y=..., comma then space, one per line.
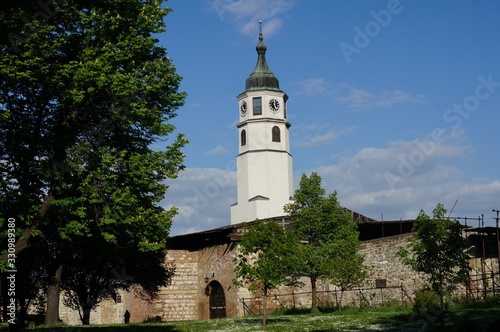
x=498, y=239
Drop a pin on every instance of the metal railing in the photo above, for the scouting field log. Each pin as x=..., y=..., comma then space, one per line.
x=329, y=298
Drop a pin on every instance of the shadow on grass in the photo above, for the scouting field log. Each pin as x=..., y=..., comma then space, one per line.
x=484, y=320
x=108, y=328
x=482, y=317
x=269, y=320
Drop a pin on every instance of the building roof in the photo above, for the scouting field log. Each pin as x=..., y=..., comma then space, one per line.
x=198, y=240
x=368, y=228
x=371, y=230
x=262, y=78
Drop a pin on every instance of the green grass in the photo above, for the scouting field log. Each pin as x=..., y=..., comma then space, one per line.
x=479, y=317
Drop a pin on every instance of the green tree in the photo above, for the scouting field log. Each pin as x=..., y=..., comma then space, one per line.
x=347, y=271
x=327, y=233
x=88, y=278
x=266, y=259
x=85, y=92
x=438, y=250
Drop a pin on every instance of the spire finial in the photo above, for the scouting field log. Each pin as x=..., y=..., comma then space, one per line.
x=260, y=30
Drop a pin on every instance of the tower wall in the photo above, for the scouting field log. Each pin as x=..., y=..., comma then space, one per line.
x=264, y=185
x=264, y=163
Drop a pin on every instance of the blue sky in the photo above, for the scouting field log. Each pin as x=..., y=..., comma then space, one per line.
x=394, y=103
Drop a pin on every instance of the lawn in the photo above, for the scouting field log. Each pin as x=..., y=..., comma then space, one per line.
x=477, y=318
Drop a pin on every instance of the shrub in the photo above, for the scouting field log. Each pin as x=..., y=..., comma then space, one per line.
x=391, y=303
x=328, y=307
x=425, y=299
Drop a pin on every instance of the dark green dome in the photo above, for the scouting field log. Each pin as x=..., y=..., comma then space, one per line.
x=262, y=77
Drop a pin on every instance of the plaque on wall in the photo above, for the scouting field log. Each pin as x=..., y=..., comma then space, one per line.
x=380, y=283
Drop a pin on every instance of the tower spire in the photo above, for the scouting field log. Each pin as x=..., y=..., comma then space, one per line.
x=260, y=31
x=262, y=77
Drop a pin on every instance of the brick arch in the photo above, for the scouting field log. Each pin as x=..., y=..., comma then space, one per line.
x=216, y=300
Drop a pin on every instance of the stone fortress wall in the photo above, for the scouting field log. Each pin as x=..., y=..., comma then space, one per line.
x=205, y=270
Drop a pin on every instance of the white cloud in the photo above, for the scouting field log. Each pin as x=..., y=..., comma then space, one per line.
x=356, y=99
x=319, y=139
x=314, y=134
x=385, y=180
x=313, y=87
x=246, y=14
x=400, y=163
x=203, y=197
x=218, y=150
x=195, y=105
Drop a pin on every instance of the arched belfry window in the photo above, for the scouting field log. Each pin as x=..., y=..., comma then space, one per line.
x=276, y=134
x=243, y=137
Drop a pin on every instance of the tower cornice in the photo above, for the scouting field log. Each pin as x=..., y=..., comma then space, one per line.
x=274, y=120
x=265, y=150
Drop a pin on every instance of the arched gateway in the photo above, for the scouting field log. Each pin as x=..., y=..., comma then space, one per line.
x=217, y=300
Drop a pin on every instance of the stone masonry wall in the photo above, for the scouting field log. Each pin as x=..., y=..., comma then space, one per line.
x=111, y=312
x=187, y=298
x=389, y=279
x=140, y=310
x=380, y=257
x=179, y=301
x=216, y=263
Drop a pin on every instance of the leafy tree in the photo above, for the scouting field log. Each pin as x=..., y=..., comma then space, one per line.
x=347, y=271
x=437, y=249
x=89, y=277
x=85, y=91
x=266, y=259
x=326, y=231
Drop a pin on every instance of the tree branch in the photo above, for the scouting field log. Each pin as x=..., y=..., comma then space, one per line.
x=23, y=241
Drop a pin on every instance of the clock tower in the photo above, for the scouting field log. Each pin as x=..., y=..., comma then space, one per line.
x=264, y=162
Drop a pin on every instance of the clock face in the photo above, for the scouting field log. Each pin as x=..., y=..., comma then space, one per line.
x=243, y=108
x=274, y=106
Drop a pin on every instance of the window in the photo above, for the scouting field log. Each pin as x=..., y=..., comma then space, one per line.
x=276, y=134
x=257, y=106
x=243, y=137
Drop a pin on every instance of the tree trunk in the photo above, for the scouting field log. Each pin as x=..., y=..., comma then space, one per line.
x=23, y=312
x=86, y=315
x=53, y=290
x=441, y=295
x=442, y=310
x=264, y=307
x=313, y=290
x=340, y=301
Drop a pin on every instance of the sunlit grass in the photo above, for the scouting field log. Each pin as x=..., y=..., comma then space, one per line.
x=461, y=317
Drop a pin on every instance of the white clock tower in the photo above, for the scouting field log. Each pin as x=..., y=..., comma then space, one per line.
x=264, y=162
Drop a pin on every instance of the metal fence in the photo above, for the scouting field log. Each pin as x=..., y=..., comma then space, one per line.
x=359, y=297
